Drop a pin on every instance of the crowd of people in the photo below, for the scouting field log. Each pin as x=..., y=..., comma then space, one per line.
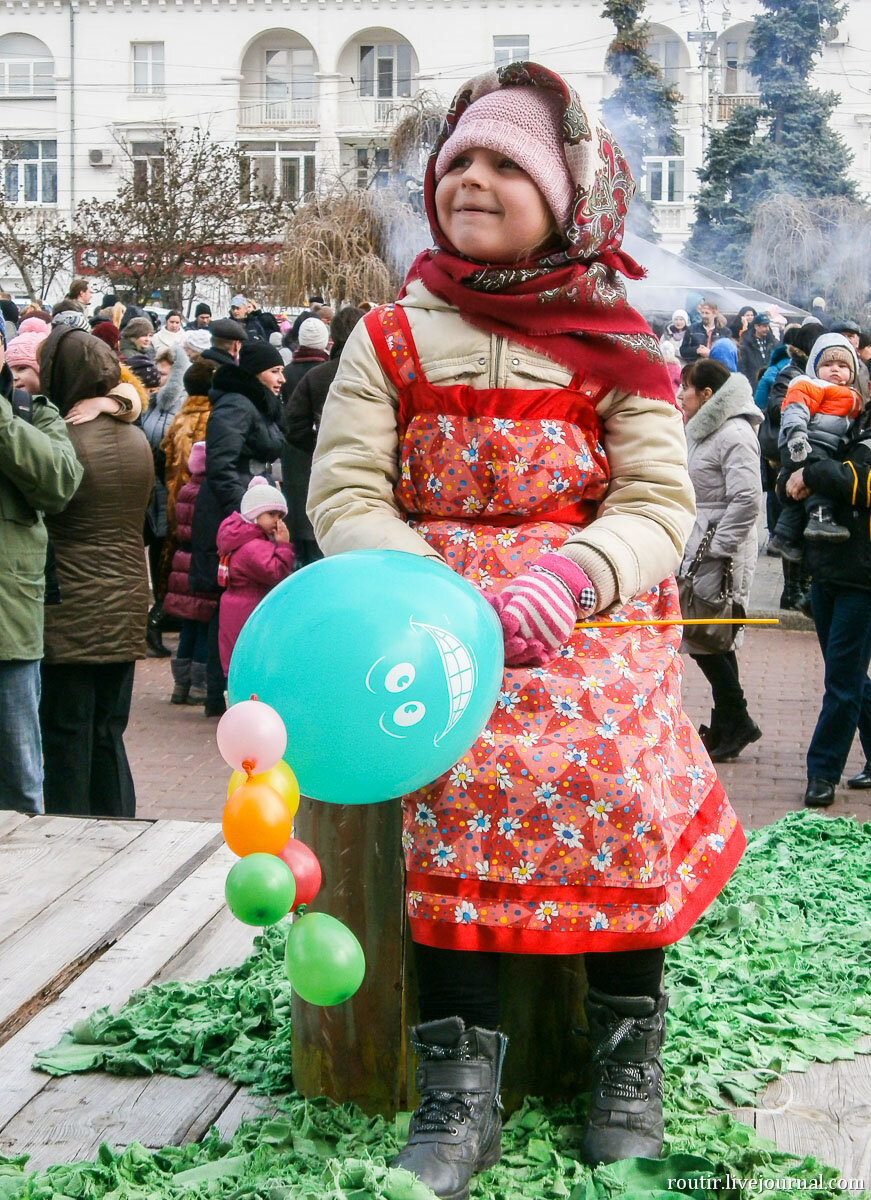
x=779, y=409
x=156, y=478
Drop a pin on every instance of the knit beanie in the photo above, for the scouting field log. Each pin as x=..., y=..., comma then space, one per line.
x=197, y=379
x=107, y=332
x=21, y=351
x=833, y=354
x=261, y=497
x=138, y=327
x=202, y=310
x=34, y=325
x=314, y=334
x=145, y=369
x=197, y=458
x=255, y=357
x=524, y=123
x=198, y=340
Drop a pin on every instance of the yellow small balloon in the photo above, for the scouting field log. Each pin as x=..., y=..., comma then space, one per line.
x=280, y=778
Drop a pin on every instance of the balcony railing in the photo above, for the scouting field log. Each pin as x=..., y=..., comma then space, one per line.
x=278, y=114
x=674, y=218
x=722, y=107
x=366, y=113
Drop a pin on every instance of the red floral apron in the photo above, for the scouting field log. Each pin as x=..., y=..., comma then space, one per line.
x=587, y=816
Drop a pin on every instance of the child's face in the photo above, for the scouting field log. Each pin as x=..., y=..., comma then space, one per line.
x=269, y=522
x=26, y=378
x=490, y=210
x=835, y=372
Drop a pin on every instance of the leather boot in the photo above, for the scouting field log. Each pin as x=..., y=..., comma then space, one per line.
x=863, y=780
x=456, y=1130
x=711, y=734
x=197, y=693
x=181, y=678
x=625, y=1117
x=154, y=646
x=735, y=736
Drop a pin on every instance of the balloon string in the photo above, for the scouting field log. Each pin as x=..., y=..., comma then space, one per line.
x=689, y=621
x=248, y=766
x=300, y=911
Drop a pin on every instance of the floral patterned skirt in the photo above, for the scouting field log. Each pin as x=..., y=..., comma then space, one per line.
x=587, y=816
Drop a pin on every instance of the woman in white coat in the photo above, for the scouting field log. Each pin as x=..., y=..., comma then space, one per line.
x=723, y=455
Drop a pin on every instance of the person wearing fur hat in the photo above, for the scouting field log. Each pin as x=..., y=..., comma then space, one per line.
x=816, y=417
x=511, y=417
x=723, y=459
x=136, y=338
x=255, y=551
x=243, y=439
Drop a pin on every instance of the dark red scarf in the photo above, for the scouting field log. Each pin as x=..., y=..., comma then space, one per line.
x=569, y=303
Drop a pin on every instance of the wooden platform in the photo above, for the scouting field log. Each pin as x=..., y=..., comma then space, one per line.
x=91, y=910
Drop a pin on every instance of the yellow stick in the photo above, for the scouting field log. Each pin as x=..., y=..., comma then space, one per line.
x=689, y=621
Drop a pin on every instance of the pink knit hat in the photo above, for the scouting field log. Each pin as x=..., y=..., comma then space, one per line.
x=262, y=497
x=524, y=123
x=197, y=459
x=33, y=325
x=21, y=351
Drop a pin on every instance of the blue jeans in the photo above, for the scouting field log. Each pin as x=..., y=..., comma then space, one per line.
x=843, y=619
x=20, y=744
x=193, y=640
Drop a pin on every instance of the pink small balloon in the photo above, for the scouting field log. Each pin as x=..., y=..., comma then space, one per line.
x=251, y=737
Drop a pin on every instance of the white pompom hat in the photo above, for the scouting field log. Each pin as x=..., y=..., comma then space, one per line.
x=261, y=497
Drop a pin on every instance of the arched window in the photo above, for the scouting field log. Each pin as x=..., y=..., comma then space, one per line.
x=26, y=67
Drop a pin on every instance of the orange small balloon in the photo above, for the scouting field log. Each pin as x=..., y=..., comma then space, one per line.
x=280, y=777
x=256, y=820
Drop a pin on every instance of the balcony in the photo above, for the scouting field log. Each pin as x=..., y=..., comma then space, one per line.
x=278, y=114
x=368, y=115
x=721, y=108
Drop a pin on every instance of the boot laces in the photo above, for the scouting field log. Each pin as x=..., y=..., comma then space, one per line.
x=625, y=1081
x=441, y=1112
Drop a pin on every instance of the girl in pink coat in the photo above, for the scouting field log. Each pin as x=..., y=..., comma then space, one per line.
x=256, y=554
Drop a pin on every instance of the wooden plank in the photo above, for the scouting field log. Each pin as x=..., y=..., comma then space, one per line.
x=70, y=1117
x=10, y=820
x=80, y=925
x=826, y=1111
x=242, y=1105
x=224, y=942
x=45, y=857
x=131, y=963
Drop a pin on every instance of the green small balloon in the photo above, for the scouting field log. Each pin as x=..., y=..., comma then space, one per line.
x=323, y=959
x=260, y=889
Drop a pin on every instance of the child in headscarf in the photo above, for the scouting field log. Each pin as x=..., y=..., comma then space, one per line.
x=512, y=417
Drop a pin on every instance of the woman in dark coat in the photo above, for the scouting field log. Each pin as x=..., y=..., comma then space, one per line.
x=97, y=631
x=841, y=603
x=243, y=439
x=304, y=403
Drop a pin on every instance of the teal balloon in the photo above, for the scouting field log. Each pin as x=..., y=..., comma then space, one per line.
x=384, y=666
x=260, y=889
x=323, y=960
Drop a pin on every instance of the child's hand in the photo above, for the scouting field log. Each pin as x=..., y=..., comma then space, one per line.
x=87, y=410
x=799, y=447
x=539, y=608
x=282, y=537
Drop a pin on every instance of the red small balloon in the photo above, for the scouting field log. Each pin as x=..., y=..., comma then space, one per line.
x=305, y=868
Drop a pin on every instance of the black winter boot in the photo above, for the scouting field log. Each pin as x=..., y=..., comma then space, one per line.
x=456, y=1130
x=735, y=737
x=822, y=526
x=711, y=734
x=154, y=646
x=625, y=1117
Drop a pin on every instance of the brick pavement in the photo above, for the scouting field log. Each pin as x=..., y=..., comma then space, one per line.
x=180, y=774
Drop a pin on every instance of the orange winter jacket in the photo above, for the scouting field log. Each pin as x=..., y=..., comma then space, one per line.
x=829, y=399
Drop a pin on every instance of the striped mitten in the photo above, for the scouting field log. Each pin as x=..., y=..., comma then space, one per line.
x=539, y=608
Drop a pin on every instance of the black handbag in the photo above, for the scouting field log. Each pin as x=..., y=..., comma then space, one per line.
x=708, y=639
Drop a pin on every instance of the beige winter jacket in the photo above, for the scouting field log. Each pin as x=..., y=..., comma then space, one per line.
x=638, y=536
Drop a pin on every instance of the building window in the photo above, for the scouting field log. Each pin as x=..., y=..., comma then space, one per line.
x=373, y=166
x=285, y=169
x=665, y=52
x=26, y=67
x=385, y=71
x=663, y=180
x=290, y=86
x=510, y=48
x=147, y=166
x=30, y=172
x=148, y=73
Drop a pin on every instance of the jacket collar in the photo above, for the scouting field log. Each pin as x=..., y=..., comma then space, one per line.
x=733, y=399
x=230, y=378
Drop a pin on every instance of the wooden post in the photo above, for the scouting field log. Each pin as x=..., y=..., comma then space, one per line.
x=359, y=1051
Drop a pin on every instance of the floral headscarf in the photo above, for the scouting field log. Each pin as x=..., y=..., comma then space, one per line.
x=568, y=302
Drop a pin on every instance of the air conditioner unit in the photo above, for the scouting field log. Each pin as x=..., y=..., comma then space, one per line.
x=99, y=158
x=837, y=35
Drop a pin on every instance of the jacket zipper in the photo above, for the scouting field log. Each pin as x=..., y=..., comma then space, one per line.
x=497, y=361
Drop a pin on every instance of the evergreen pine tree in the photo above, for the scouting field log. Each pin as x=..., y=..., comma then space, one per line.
x=642, y=110
x=785, y=146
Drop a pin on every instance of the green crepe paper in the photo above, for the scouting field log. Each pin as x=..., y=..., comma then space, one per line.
x=773, y=976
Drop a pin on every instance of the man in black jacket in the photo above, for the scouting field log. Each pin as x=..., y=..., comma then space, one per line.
x=702, y=334
x=227, y=340
x=754, y=349
x=841, y=602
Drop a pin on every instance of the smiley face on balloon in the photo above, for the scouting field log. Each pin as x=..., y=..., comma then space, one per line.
x=446, y=673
